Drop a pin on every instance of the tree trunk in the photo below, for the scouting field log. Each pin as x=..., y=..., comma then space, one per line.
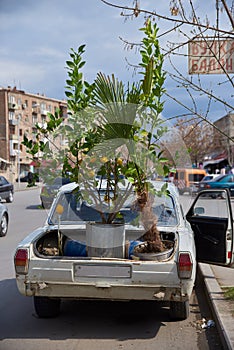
x=149, y=221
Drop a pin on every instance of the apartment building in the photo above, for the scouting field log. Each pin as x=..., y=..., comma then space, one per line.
x=225, y=143
x=19, y=113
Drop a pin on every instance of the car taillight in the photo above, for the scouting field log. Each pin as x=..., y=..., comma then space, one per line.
x=21, y=261
x=44, y=190
x=207, y=186
x=185, y=265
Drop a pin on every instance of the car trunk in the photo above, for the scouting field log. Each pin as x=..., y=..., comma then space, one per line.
x=71, y=242
x=100, y=277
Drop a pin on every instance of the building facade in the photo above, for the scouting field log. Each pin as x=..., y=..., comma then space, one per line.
x=19, y=114
x=225, y=144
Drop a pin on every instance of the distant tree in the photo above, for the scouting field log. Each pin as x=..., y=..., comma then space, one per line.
x=198, y=137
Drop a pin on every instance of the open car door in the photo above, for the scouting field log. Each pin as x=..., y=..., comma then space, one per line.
x=211, y=219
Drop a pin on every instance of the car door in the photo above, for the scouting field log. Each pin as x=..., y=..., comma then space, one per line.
x=3, y=187
x=212, y=223
x=229, y=183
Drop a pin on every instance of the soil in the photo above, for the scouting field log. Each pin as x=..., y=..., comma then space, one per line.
x=152, y=247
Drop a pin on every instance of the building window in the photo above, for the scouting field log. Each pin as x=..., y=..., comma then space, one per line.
x=11, y=115
x=34, y=104
x=43, y=119
x=12, y=130
x=15, y=146
x=34, y=119
x=11, y=99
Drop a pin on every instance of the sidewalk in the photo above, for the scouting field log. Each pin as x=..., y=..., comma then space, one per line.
x=216, y=277
x=22, y=186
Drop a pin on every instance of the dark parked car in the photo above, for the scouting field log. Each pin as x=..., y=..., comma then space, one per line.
x=25, y=178
x=4, y=219
x=220, y=182
x=49, y=191
x=6, y=190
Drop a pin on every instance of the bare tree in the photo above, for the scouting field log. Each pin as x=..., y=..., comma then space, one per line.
x=199, y=35
x=198, y=137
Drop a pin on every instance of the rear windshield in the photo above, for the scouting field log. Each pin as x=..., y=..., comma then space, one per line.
x=75, y=210
x=207, y=178
x=196, y=177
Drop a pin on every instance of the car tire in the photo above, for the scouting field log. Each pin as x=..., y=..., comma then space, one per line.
x=179, y=310
x=228, y=190
x=3, y=225
x=47, y=307
x=45, y=205
x=10, y=198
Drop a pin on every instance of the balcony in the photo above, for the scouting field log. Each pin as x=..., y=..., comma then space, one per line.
x=14, y=148
x=36, y=109
x=14, y=137
x=14, y=152
x=13, y=122
x=44, y=111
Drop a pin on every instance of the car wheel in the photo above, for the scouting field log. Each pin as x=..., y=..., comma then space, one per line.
x=47, y=307
x=3, y=225
x=45, y=205
x=179, y=310
x=223, y=196
x=10, y=198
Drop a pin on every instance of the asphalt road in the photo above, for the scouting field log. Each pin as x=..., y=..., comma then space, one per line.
x=88, y=325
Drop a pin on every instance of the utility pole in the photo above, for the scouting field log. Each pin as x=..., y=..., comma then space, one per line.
x=18, y=150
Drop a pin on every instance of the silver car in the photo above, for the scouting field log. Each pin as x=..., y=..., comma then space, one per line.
x=4, y=219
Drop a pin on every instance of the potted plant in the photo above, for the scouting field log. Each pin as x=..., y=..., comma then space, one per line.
x=113, y=135
x=126, y=120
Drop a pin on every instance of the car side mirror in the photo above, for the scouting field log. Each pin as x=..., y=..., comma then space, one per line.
x=199, y=211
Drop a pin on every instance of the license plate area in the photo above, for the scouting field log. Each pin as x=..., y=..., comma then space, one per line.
x=107, y=271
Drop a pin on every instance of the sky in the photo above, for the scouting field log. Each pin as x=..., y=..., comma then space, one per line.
x=36, y=38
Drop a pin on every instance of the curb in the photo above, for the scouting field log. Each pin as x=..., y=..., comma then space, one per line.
x=219, y=305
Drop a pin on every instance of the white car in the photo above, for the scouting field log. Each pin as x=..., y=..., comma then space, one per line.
x=209, y=177
x=58, y=261
x=202, y=183
x=4, y=219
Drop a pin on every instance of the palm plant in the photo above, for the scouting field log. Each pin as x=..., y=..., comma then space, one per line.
x=113, y=133
x=128, y=119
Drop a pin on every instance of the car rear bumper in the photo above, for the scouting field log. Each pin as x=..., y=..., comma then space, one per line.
x=104, y=291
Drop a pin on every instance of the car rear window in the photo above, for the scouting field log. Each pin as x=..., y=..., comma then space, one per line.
x=77, y=210
x=196, y=177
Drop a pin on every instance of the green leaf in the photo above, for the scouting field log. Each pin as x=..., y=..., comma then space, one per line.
x=131, y=179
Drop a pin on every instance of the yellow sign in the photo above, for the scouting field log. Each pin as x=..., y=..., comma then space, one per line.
x=211, y=56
